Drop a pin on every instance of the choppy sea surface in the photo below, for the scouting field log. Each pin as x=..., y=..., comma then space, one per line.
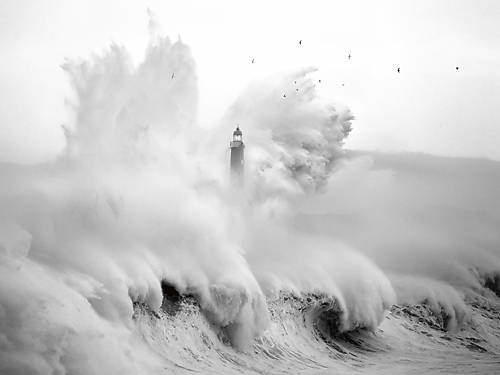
x=303, y=338
x=132, y=253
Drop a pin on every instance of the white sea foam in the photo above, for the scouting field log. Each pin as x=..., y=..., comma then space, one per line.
x=140, y=195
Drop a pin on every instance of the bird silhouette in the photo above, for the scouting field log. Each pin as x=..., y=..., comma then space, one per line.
x=173, y=75
x=300, y=42
x=456, y=68
x=349, y=56
x=399, y=70
x=284, y=95
x=253, y=60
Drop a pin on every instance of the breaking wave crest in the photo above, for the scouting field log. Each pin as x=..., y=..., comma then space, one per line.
x=304, y=334
x=131, y=253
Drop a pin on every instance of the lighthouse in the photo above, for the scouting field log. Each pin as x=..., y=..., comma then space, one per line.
x=237, y=156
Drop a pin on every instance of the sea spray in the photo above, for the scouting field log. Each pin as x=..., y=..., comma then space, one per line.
x=139, y=198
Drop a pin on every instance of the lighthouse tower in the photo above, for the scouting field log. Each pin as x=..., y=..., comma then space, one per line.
x=237, y=157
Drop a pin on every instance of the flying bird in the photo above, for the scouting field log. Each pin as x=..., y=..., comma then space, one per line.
x=284, y=95
x=456, y=68
x=300, y=42
x=173, y=75
x=349, y=56
x=399, y=70
x=253, y=60
x=319, y=81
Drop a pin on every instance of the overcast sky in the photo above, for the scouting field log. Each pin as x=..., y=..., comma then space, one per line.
x=428, y=107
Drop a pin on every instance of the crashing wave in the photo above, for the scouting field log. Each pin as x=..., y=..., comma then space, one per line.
x=139, y=197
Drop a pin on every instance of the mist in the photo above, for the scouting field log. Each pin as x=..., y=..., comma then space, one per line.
x=141, y=195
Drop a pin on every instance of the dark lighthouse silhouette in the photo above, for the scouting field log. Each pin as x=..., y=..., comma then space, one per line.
x=237, y=157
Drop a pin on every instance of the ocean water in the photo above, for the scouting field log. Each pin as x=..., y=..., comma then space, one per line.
x=410, y=340
x=133, y=253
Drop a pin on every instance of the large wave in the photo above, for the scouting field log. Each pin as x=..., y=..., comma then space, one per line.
x=111, y=252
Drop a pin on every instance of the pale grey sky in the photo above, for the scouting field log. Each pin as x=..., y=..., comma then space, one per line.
x=429, y=107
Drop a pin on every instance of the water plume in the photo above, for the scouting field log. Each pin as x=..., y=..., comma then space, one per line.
x=296, y=135
x=137, y=204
